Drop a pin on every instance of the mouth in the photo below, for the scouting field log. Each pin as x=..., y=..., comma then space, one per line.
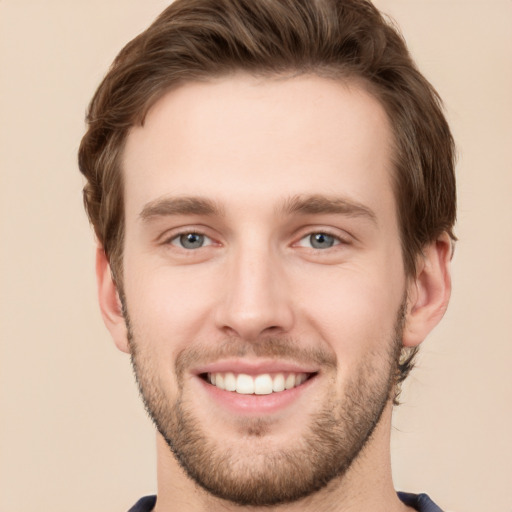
x=256, y=387
x=259, y=384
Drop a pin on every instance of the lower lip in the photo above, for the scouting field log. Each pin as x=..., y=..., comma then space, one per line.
x=256, y=404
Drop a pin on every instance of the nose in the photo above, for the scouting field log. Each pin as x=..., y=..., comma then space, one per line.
x=254, y=296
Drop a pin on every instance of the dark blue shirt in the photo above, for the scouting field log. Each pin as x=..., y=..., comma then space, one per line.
x=420, y=502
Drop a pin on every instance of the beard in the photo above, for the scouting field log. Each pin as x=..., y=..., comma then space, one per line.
x=251, y=470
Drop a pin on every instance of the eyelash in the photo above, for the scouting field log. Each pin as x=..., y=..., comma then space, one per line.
x=337, y=240
x=177, y=237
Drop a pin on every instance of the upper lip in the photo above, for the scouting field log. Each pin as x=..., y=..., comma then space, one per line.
x=254, y=367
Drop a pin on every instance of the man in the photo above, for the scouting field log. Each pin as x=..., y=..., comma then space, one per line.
x=271, y=184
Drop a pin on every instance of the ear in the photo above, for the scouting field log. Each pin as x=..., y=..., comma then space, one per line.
x=110, y=304
x=429, y=291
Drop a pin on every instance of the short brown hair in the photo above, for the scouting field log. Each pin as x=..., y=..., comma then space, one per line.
x=345, y=39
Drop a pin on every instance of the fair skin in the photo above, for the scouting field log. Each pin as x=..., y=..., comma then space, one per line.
x=284, y=189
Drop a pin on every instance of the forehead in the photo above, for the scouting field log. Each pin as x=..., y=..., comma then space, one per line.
x=255, y=140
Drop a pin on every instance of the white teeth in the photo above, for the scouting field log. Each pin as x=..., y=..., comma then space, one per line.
x=263, y=384
x=289, y=383
x=245, y=384
x=230, y=382
x=219, y=381
x=278, y=383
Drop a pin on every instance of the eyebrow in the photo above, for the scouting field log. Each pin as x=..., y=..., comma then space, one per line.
x=179, y=206
x=301, y=204
x=320, y=204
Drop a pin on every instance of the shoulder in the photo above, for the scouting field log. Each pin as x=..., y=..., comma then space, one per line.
x=145, y=504
x=420, y=502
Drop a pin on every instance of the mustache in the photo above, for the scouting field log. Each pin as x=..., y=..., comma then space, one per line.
x=268, y=348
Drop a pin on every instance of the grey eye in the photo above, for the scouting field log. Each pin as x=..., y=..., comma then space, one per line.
x=191, y=240
x=321, y=240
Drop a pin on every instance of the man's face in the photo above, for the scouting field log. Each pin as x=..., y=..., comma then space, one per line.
x=262, y=255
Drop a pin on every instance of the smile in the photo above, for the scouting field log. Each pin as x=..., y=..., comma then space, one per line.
x=263, y=384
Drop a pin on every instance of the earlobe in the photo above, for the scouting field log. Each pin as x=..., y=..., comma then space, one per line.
x=429, y=292
x=110, y=304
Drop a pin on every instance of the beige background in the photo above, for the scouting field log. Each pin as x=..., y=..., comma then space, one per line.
x=73, y=436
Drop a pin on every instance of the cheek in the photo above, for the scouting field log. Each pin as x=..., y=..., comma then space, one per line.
x=355, y=311
x=169, y=305
x=167, y=313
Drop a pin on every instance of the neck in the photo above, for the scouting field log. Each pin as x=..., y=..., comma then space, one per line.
x=366, y=486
